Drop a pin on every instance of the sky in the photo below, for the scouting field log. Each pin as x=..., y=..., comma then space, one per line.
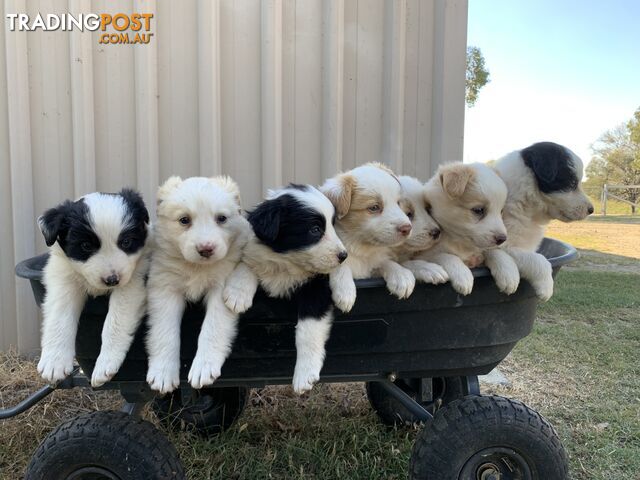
x=560, y=70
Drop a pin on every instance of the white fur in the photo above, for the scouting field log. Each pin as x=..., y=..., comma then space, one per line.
x=69, y=282
x=527, y=213
x=467, y=239
x=311, y=336
x=280, y=274
x=371, y=238
x=425, y=233
x=179, y=273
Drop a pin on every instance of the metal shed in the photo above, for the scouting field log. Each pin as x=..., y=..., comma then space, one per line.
x=266, y=91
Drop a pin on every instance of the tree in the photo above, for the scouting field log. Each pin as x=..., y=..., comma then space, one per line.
x=477, y=75
x=617, y=160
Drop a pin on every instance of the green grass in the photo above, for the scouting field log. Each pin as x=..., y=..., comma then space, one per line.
x=581, y=368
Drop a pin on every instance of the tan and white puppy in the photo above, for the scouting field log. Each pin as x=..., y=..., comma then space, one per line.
x=467, y=202
x=370, y=222
x=425, y=233
x=543, y=181
x=200, y=235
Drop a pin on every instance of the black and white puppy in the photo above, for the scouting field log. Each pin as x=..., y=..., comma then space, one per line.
x=294, y=249
x=543, y=183
x=97, y=247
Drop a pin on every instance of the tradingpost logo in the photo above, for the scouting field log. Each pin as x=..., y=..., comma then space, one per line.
x=118, y=28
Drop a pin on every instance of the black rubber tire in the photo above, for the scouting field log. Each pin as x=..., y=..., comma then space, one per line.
x=109, y=445
x=215, y=410
x=479, y=432
x=394, y=414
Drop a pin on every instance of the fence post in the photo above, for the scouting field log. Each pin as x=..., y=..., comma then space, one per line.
x=605, y=193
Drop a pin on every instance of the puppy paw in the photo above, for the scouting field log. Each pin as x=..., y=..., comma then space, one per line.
x=204, y=371
x=430, y=273
x=305, y=376
x=237, y=299
x=543, y=288
x=462, y=281
x=163, y=377
x=104, y=370
x=507, y=279
x=55, y=365
x=344, y=297
x=401, y=282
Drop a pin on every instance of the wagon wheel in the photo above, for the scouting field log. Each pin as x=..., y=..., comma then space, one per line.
x=488, y=438
x=444, y=391
x=209, y=411
x=105, y=446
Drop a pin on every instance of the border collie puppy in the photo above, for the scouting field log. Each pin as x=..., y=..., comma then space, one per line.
x=294, y=249
x=544, y=184
x=370, y=222
x=467, y=202
x=425, y=233
x=199, y=235
x=97, y=247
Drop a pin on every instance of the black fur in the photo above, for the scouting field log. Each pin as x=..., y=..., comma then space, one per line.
x=134, y=236
x=69, y=225
x=285, y=224
x=552, y=166
x=314, y=298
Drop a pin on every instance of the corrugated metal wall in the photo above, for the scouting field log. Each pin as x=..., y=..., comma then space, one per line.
x=265, y=91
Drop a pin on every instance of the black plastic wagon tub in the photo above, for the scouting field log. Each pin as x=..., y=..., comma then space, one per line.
x=420, y=358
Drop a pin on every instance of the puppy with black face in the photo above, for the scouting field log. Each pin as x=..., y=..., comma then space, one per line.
x=543, y=182
x=294, y=249
x=97, y=247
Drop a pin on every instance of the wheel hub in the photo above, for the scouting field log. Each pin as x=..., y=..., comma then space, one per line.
x=92, y=473
x=496, y=463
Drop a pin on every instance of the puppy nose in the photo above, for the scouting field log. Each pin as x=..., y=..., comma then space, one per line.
x=206, y=249
x=500, y=239
x=112, y=280
x=404, y=229
x=590, y=209
x=435, y=233
x=342, y=256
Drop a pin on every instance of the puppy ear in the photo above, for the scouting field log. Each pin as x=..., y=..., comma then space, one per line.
x=53, y=223
x=454, y=179
x=135, y=204
x=265, y=220
x=167, y=187
x=227, y=183
x=339, y=190
x=543, y=158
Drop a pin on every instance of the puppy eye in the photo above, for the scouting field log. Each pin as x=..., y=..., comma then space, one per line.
x=221, y=219
x=86, y=246
x=315, y=230
x=125, y=243
x=479, y=211
x=428, y=209
x=374, y=208
x=410, y=215
x=184, y=220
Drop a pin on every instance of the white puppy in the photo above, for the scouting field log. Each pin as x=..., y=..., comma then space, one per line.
x=370, y=222
x=97, y=247
x=200, y=235
x=543, y=181
x=294, y=248
x=425, y=233
x=467, y=202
